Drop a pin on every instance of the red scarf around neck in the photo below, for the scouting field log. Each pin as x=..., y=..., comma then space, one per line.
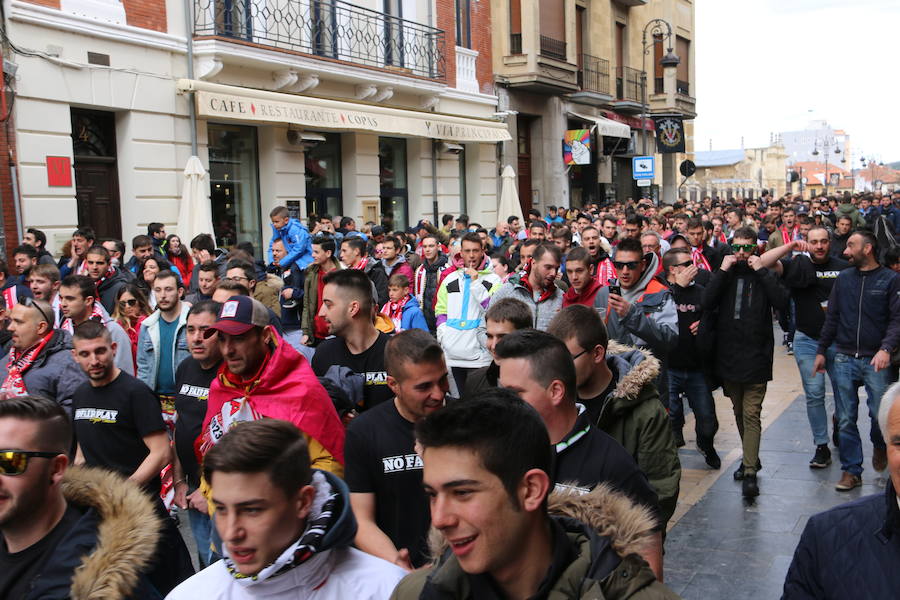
x=19, y=363
x=699, y=259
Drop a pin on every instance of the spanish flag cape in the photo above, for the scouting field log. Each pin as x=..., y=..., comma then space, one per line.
x=285, y=388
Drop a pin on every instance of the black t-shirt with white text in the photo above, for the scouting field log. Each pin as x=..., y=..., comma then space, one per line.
x=588, y=456
x=191, y=394
x=19, y=569
x=380, y=458
x=810, y=284
x=369, y=364
x=111, y=422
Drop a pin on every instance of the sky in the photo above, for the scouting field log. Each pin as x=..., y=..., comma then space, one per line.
x=765, y=66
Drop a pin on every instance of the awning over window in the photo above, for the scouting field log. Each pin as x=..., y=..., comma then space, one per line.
x=227, y=102
x=605, y=126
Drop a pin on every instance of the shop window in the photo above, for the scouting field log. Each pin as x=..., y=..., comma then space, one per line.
x=234, y=184
x=392, y=178
x=323, y=177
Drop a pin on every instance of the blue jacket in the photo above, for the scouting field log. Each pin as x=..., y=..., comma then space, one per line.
x=297, y=243
x=863, y=313
x=850, y=551
x=148, y=346
x=412, y=316
x=892, y=214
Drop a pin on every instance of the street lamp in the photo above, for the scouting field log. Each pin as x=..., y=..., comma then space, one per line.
x=872, y=162
x=826, y=144
x=660, y=30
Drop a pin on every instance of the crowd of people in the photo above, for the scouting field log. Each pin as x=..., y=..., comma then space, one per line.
x=518, y=389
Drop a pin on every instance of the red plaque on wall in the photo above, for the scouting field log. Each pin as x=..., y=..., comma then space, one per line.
x=59, y=171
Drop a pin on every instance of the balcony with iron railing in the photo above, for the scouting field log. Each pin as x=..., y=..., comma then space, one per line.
x=553, y=48
x=594, y=74
x=329, y=29
x=628, y=84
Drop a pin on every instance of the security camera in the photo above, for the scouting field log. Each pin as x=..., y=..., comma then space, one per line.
x=451, y=148
x=304, y=138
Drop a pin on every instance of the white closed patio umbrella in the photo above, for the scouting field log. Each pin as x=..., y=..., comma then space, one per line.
x=509, y=197
x=195, y=212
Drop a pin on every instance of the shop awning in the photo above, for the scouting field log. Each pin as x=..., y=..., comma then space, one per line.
x=233, y=103
x=605, y=126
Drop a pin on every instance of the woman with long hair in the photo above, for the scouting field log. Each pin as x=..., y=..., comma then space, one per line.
x=130, y=311
x=180, y=257
x=146, y=275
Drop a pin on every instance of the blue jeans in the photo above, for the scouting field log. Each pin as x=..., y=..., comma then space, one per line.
x=814, y=385
x=693, y=384
x=849, y=370
x=201, y=527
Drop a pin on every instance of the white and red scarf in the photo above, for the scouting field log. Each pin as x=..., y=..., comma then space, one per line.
x=394, y=312
x=699, y=259
x=19, y=363
x=789, y=236
x=605, y=271
x=97, y=314
x=361, y=265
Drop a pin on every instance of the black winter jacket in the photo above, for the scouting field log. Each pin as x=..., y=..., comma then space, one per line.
x=863, y=313
x=744, y=299
x=850, y=551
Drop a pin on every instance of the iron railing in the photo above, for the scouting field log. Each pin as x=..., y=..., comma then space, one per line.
x=327, y=28
x=515, y=43
x=628, y=84
x=552, y=48
x=594, y=74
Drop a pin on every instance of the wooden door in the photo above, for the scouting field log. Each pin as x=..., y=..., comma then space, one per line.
x=97, y=195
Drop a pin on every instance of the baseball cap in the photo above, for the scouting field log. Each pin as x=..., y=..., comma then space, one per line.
x=239, y=315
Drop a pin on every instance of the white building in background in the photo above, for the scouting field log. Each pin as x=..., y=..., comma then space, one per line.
x=799, y=145
x=376, y=110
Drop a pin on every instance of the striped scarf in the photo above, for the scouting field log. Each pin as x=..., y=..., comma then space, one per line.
x=699, y=259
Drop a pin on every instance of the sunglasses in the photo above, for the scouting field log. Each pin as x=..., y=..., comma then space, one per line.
x=14, y=462
x=30, y=303
x=630, y=265
x=744, y=247
x=129, y=302
x=686, y=263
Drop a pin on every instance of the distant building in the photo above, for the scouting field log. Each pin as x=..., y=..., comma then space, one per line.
x=738, y=173
x=799, y=145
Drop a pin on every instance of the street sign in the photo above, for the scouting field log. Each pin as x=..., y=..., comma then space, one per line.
x=643, y=167
x=644, y=182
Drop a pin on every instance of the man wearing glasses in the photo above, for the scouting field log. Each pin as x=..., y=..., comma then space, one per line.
x=640, y=311
x=744, y=293
x=50, y=540
x=38, y=362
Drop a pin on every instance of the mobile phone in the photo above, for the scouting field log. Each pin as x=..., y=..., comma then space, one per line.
x=614, y=287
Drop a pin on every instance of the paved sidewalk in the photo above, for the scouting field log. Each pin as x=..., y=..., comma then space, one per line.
x=720, y=546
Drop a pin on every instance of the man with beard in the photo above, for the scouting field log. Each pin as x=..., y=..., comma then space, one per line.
x=353, y=255
x=192, y=380
x=314, y=327
x=428, y=278
x=705, y=257
x=50, y=534
x=462, y=300
x=863, y=323
x=536, y=286
x=810, y=277
x=384, y=473
x=583, y=286
x=107, y=278
x=744, y=292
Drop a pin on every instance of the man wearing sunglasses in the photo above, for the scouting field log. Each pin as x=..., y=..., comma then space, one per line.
x=51, y=544
x=744, y=293
x=39, y=362
x=643, y=313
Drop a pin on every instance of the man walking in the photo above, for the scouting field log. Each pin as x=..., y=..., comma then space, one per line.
x=744, y=293
x=863, y=323
x=536, y=286
x=314, y=327
x=429, y=276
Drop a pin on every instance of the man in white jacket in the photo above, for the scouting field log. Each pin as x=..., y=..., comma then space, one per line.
x=286, y=529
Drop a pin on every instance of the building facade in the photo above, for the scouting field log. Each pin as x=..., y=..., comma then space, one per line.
x=382, y=110
x=570, y=65
x=738, y=173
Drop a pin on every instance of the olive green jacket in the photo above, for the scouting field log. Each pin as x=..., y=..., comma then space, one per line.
x=634, y=416
x=606, y=530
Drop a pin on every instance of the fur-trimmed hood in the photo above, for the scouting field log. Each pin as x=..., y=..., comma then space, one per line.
x=608, y=513
x=635, y=368
x=119, y=530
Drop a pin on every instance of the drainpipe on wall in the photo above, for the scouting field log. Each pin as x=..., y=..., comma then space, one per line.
x=434, y=198
x=192, y=108
x=14, y=180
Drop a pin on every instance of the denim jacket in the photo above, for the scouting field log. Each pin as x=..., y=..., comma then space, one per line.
x=148, y=346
